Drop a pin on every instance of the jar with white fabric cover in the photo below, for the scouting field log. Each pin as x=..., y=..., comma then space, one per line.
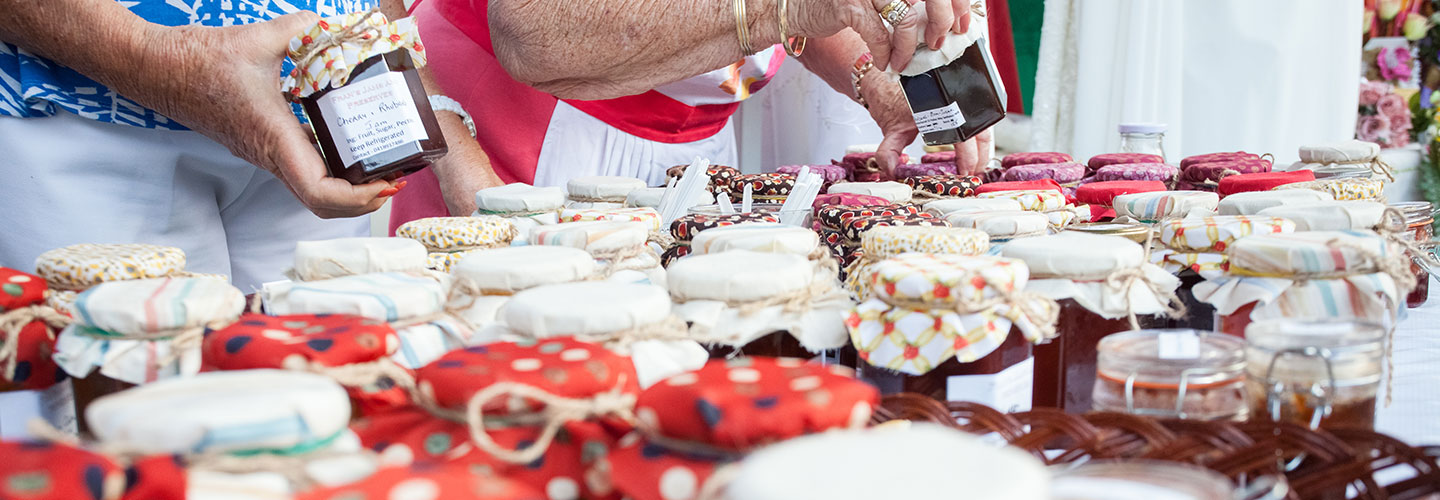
x=619, y=248
x=600, y=191
x=523, y=205
x=486, y=280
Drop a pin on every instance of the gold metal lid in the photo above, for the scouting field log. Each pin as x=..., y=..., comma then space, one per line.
x=939, y=149
x=1134, y=232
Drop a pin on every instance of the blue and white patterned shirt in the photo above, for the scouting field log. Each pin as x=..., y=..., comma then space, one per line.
x=32, y=86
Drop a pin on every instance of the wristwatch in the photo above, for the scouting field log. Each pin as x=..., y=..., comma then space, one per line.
x=443, y=103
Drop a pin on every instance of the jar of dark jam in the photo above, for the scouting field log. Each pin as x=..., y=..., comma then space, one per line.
x=1420, y=228
x=379, y=125
x=1065, y=366
x=957, y=100
x=1322, y=374
x=1001, y=379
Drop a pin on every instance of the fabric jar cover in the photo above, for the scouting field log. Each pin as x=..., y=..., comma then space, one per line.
x=1031, y=200
x=1059, y=272
x=1160, y=205
x=1212, y=172
x=1186, y=162
x=1345, y=189
x=609, y=189
x=834, y=217
x=1104, y=193
x=596, y=237
x=331, y=67
x=1245, y=183
x=938, y=157
x=863, y=167
x=451, y=482
x=758, y=237
x=644, y=215
x=1347, y=151
x=1310, y=254
x=630, y=318
x=650, y=197
x=926, y=309
x=672, y=254
x=848, y=199
x=1063, y=173
x=311, y=343
x=39, y=470
x=1209, y=265
x=933, y=460
x=30, y=365
x=830, y=173
x=325, y=259
x=1103, y=160
x=1251, y=203
x=560, y=366
x=894, y=191
x=519, y=199
x=1331, y=215
x=137, y=331
x=82, y=266
x=506, y=271
x=909, y=170
x=856, y=226
x=1217, y=233
x=720, y=176
x=885, y=242
x=771, y=186
x=453, y=234
x=954, y=186
x=389, y=297
x=688, y=226
x=1137, y=172
x=1039, y=185
x=444, y=261
x=733, y=298
x=242, y=411
x=957, y=205
x=1002, y=226
x=1016, y=159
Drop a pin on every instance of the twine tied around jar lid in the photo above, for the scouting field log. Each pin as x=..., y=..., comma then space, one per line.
x=358, y=32
x=615, y=261
x=1394, y=228
x=1377, y=165
x=558, y=411
x=1040, y=311
x=15, y=320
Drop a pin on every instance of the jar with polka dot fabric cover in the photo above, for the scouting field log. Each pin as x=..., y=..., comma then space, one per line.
x=353, y=350
x=765, y=304
x=40, y=470
x=27, y=333
x=619, y=248
x=632, y=319
x=693, y=423
x=941, y=325
x=1138, y=172
x=484, y=283
x=448, y=239
x=1194, y=250
x=931, y=187
x=417, y=305
x=431, y=481
x=600, y=191
x=325, y=259
x=1352, y=274
x=1103, y=284
x=1063, y=173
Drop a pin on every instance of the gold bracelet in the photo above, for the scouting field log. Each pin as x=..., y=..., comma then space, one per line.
x=793, y=45
x=742, y=31
x=862, y=66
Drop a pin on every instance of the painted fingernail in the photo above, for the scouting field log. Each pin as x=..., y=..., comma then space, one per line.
x=387, y=192
x=401, y=185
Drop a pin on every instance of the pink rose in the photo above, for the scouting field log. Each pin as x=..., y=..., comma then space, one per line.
x=1398, y=139
x=1392, y=106
x=1372, y=128
x=1371, y=92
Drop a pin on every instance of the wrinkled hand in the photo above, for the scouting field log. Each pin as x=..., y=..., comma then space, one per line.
x=822, y=18
x=973, y=156
x=892, y=113
x=225, y=84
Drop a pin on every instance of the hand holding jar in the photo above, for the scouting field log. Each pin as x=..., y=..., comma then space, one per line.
x=894, y=47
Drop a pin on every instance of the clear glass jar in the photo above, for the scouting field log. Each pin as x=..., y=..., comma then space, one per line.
x=1140, y=480
x=1144, y=138
x=1184, y=374
x=1323, y=374
x=1420, y=222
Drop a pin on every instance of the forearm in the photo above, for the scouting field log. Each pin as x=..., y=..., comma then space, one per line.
x=833, y=59
x=599, y=49
x=98, y=38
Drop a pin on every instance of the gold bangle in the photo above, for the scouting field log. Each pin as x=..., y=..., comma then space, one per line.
x=742, y=31
x=862, y=66
x=793, y=45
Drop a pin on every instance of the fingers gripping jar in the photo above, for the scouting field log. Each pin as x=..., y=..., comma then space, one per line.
x=1184, y=374
x=1321, y=374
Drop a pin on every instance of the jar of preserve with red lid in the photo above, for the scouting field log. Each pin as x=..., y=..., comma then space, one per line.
x=356, y=78
x=1103, y=285
x=1184, y=374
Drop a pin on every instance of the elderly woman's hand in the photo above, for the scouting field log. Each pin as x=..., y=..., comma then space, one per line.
x=820, y=18
x=892, y=113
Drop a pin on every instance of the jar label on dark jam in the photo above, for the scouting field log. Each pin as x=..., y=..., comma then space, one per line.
x=372, y=116
x=1009, y=391
x=943, y=118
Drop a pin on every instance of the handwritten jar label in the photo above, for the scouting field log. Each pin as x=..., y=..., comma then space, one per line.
x=372, y=116
x=942, y=118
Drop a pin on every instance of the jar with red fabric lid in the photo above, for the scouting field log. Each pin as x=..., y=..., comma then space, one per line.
x=952, y=327
x=1264, y=181
x=1103, y=285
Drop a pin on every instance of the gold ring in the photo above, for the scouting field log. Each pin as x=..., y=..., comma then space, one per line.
x=895, y=12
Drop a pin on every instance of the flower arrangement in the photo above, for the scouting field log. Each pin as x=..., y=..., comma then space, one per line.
x=1384, y=116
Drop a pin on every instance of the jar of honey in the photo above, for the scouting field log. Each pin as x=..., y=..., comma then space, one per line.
x=1323, y=374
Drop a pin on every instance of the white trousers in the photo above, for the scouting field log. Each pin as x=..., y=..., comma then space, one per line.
x=67, y=180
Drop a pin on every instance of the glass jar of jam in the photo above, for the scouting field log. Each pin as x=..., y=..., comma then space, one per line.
x=1420, y=226
x=1184, y=374
x=378, y=124
x=957, y=99
x=1324, y=374
x=1000, y=380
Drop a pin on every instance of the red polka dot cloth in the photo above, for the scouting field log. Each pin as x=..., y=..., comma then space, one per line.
x=561, y=366
x=47, y=471
x=695, y=421
x=297, y=342
x=1016, y=159
x=1098, y=161
x=450, y=482
x=574, y=466
x=30, y=365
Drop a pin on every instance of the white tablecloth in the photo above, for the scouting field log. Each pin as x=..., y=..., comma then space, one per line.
x=1414, y=414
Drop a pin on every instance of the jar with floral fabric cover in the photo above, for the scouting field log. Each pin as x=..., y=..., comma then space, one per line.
x=951, y=327
x=1194, y=250
x=1103, y=285
x=853, y=229
x=885, y=242
x=1346, y=275
x=450, y=239
x=1345, y=188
